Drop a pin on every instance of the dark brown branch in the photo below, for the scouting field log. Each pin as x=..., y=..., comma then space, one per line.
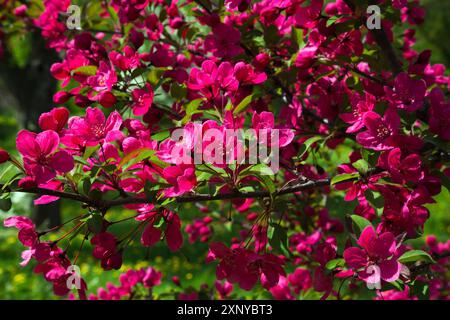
x=191, y=198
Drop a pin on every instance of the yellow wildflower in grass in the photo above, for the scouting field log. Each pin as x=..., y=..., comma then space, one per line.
x=19, y=279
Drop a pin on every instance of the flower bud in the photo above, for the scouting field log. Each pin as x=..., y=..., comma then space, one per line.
x=4, y=156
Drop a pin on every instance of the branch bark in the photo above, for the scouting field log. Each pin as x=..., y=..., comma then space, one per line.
x=98, y=203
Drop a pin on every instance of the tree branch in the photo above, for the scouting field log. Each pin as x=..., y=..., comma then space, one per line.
x=98, y=203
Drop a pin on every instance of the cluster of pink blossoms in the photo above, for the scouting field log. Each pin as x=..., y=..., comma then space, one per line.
x=304, y=71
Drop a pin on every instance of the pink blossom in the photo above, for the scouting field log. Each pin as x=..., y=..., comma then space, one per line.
x=408, y=94
x=245, y=74
x=105, y=78
x=224, y=41
x=93, y=128
x=173, y=235
x=381, y=131
x=4, y=156
x=395, y=295
x=379, y=251
x=402, y=169
x=266, y=121
x=181, y=177
x=245, y=267
x=359, y=108
x=210, y=79
x=54, y=120
x=224, y=288
x=142, y=100
x=439, y=114
x=150, y=236
x=41, y=159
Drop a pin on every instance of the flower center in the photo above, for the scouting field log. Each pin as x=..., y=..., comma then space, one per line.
x=383, y=132
x=98, y=130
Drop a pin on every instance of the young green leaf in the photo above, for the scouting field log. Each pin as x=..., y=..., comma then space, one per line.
x=416, y=255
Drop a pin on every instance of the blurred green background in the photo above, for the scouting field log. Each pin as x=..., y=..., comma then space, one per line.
x=26, y=88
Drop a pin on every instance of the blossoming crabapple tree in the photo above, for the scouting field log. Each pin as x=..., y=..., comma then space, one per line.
x=364, y=123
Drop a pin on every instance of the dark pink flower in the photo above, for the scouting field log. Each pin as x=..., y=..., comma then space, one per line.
x=150, y=236
x=402, y=170
x=408, y=94
x=306, y=57
x=54, y=120
x=182, y=177
x=151, y=278
x=395, y=295
x=359, y=108
x=265, y=121
x=308, y=17
x=377, y=258
x=245, y=267
x=211, y=79
x=105, y=78
x=105, y=249
x=398, y=4
x=93, y=128
x=381, y=131
x=128, y=61
x=439, y=114
x=224, y=42
x=142, y=100
x=41, y=159
x=282, y=291
x=224, y=288
x=18, y=222
x=245, y=74
x=4, y=156
x=174, y=238
x=106, y=99
x=300, y=280
x=104, y=243
x=27, y=232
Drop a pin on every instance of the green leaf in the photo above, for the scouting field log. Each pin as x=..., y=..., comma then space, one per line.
x=85, y=70
x=416, y=255
x=84, y=186
x=297, y=35
x=89, y=151
x=160, y=136
x=343, y=177
x=332, y=264
x=361, y=165
x=360, y=222
x=376, y=202
x=191, y=109
x=81, y=160
x=332, y=20
x=95, y=223
x=178, y=91
x=307, y=144
x=135, y=156
x=243, y=104
x=278, y=239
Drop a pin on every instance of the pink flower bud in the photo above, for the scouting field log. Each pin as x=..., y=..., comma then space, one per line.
x=4, y=156
x=20, y=10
